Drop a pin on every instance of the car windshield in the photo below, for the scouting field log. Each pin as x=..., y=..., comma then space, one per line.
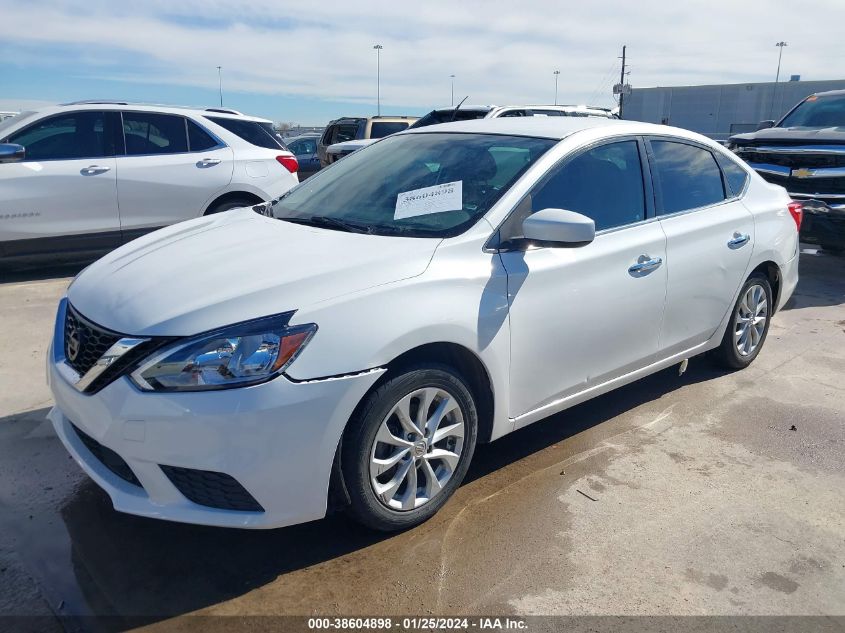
x=419, y=185
x=817, y=111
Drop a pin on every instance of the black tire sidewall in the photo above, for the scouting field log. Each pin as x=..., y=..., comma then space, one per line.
x=229, y=205
x=730, y=354
x=360, y=435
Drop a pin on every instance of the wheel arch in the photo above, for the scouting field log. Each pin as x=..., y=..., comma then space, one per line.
x=773, y=273
x=454, y=355
x=252, y=198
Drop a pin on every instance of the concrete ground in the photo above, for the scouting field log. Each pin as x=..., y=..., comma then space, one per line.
x=708, y=493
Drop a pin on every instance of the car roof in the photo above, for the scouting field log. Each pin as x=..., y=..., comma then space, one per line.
x=466, y=108
x=830, y=93
x=223, y=113
x=558, y=128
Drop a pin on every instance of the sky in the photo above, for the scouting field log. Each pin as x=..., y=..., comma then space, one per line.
x=309, y=62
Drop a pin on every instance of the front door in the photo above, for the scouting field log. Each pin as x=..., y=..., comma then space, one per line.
x=584, y=315
x=62, y=197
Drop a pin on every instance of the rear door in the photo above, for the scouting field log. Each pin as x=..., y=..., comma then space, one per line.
x=710, y=236
x=172, y=167
x=62, y=197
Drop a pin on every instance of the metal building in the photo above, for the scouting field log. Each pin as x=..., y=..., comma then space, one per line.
x=720, y=110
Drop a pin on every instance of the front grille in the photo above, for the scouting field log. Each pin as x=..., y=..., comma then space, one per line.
x=85, y=342
x=819, y=187
x=794, y=161
x=108, y=457
x=210, y=489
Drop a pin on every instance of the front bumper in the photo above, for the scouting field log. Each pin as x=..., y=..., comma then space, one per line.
x=823, y=223
x=277, y=440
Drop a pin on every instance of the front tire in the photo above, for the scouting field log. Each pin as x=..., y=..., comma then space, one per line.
x=408, y=447
x=749, y=324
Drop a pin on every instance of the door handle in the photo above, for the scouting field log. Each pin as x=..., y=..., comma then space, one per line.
x=93, y=170
x=738, y=240
x=645, y=264
x=208, y=162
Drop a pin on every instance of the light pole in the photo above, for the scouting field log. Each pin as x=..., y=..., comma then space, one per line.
x=452, y=77
x=378, y=48
x=557, y=73
x=780, y=46
x=220, y=83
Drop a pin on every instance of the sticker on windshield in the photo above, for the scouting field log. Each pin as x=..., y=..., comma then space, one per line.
x=436, y=199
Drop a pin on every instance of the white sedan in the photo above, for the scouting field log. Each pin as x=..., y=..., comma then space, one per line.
x=438, y=289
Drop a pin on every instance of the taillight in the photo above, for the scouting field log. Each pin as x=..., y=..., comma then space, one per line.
x=796, y=210
x=289, y=162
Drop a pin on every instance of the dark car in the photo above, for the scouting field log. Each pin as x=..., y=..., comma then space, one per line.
x=805, y=153
x=305, y=149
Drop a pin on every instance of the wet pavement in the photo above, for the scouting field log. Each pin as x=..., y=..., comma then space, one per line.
x=707, y=493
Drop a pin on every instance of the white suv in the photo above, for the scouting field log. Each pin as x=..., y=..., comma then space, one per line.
x=93, y=175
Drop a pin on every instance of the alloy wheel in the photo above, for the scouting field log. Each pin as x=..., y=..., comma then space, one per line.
x=751, y=317
x=417, y=448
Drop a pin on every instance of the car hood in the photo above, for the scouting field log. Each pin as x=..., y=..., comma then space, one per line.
x=792, y=135
x=223, y=269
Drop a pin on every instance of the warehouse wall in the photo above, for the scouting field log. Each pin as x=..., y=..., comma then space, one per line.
x=720, y=110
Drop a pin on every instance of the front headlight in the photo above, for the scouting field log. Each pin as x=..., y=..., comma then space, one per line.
x=236, y=356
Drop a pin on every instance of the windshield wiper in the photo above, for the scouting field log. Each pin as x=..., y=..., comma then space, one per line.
x=329, y=222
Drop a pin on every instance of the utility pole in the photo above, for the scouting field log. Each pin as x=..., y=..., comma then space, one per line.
x=220, y=83
x=780, y=46
x=622, y=83
x=557, y=74
x=378, y=48
x=452, y=77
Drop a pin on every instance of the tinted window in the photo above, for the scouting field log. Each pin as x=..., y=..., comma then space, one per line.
x=253, y=132
x=735, y=175
x=303, y=147
x=604, y=183
x=380, y=129
x=67, y=136
x=444, y=116
x=148, y=133
x=687, y=176
x=344, y=132
x=817, y=111
x=426, y=185
x=198, y=139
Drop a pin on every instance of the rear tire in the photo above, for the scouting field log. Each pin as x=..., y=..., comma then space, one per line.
x=749, y=324
x=408, y=447
x=227, y=205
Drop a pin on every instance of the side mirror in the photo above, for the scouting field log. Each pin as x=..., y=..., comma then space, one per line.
x=762, y=125
x=558, y=227
x=11, y=153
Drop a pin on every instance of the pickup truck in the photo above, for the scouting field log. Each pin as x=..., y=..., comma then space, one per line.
x=805, y=153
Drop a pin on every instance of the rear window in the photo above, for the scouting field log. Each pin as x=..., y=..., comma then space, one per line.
x=445, y=116
x=380, y=129
x=253, y=132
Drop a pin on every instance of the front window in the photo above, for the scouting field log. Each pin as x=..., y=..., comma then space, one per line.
x=817, y=111
x=65, y=137
x=419, y=185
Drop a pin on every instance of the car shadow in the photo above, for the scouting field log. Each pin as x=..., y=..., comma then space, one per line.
x=133, y=570
x=23, y=272
x=821, y=280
